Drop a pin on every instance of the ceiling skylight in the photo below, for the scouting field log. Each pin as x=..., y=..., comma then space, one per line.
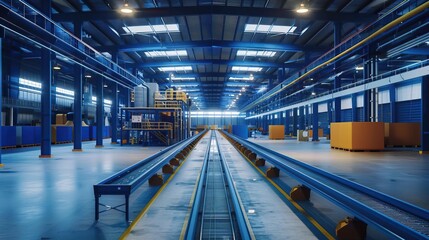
x=241, y=78
x=174, y=69
x=152, y=28
x=252, y=53
x=181, y=78
x=166, y=53
x=274, y=29
x=246, y=69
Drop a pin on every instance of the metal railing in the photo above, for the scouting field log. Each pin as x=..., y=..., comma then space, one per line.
x=41, y=22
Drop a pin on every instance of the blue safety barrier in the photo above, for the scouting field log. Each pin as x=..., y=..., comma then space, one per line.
x=8, y=136
x=128, y=180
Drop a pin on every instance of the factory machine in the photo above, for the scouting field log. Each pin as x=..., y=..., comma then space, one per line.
x=156, y=118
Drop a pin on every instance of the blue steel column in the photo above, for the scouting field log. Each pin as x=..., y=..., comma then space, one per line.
x=301, y=118
x=392, y=97
x=114, y=112
x=337, y=80
x=46, y=76
x=77, y=113
x=14, y=72
x=100, y=112
x=287, y=122
x=354, y=108
x=315, y=122
x=115, y=104
x=425, y=116
x=366, y=106
x=329, y=104
x=1, y=86
x=295, y=121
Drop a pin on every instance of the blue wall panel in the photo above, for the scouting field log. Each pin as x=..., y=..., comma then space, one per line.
x=346, y=115
x=8, y=136
x=28, y=135
x=409, y=111
x=38, y=134
x=64, y=134
x=240, y=131
x=384, y=114
x=360, y=114
x=324, y=122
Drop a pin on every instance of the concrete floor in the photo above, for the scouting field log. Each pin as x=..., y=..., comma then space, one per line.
x=268, y=216
x=401, y=173
x=53, y=198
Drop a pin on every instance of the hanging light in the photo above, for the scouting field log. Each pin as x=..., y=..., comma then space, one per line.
x=302, y=9
x=57, y=67
x=126, y=8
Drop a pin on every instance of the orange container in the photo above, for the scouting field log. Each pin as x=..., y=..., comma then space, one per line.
x=402, y=134
x=319, y=131
x=358, y=135
x=276, y=131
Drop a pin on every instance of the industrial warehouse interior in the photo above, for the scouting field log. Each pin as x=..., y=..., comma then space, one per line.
x=214, y=119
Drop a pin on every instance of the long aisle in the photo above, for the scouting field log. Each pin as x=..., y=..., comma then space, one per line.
x=165, y=218
x=269, y=216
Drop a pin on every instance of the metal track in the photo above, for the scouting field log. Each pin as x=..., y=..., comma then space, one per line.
x=216, y=212
x=389, y=214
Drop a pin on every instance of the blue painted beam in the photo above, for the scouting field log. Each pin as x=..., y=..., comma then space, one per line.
x=1, y=85
x=217, y=61
x=295, y=122
x=46, y=77
x=417, y=51
x=207, y=74
x=77, y=111
x=354, y=108
x=392, y=98
x=99, y=112
x=114, y=112
x=316, y=15
x=425, y=116
x=315, y=122
x=206, y=44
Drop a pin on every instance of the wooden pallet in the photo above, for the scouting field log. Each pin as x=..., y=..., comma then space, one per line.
x=8, y=147
x=402, y=146
x=356, y=150
x=65, y=142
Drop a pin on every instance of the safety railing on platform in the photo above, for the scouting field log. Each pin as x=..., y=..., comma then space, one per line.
x=40, y=21
x=150, y=126
x=346, y=46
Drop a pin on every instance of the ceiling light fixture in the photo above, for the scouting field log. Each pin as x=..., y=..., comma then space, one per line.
x=126, y=9
x=57, y=67
x=302, y=9
x=359, y=68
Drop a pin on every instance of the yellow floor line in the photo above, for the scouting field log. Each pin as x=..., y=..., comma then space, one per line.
x=146, y=208
x=295, y=204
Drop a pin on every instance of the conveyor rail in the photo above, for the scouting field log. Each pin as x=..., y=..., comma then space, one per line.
x=129, y=179
x=388, y=213
x=216, y=212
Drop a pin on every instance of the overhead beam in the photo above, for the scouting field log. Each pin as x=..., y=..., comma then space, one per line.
x=207, y=74
x=220, y=62
x=316, y=15
x=144, y=47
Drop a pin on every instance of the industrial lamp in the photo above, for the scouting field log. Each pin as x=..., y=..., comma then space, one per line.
x=302, y=9
x=126, y=8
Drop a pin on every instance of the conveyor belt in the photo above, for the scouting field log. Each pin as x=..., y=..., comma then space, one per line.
x=216, y=201
x=216, y=219
x=390, y=214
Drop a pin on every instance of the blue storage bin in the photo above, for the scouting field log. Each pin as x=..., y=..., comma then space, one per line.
x=64, y=134
x=8, y=136
x=28, y=135
x=38, y=135
x=85, y=133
